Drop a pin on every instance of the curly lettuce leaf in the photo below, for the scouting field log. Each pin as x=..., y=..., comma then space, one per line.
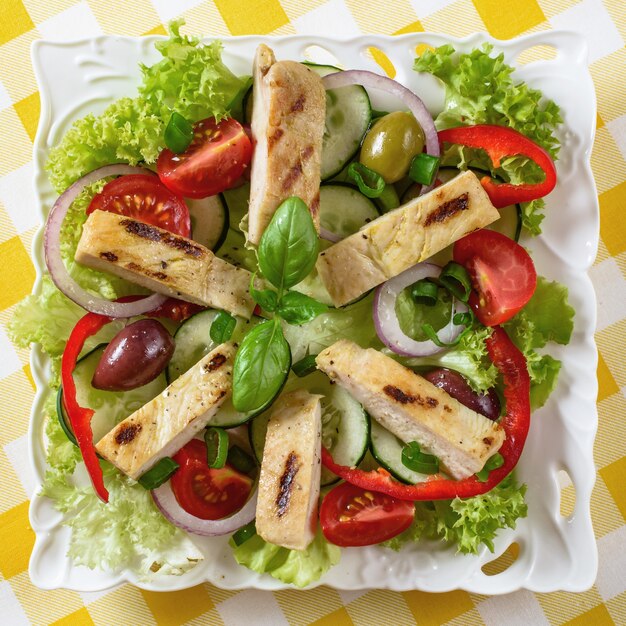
x=296, y=567
x=479, y=89
x=547, y=317
x=469, y=522
x=469, y=358
x=190, y=79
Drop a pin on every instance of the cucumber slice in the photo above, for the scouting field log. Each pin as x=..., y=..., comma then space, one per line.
x=110, y=407
x=343, y=211
x=348, y=116
x=234, y=251
x=209, y=221
x=345, y=424
x=386, y=448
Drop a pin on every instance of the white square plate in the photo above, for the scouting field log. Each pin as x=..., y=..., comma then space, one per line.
x=555, y=552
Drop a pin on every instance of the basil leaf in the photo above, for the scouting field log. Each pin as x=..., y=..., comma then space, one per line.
x=222, y=327
x=178, y=133
x=265, y=298
x=296, y=308
x=261, y=366
x=288, y=248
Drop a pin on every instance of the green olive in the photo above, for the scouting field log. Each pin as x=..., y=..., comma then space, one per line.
x=390, y=145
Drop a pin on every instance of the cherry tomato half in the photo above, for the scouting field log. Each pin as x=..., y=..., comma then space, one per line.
x=145, y=198
x=351, y=516
x=204, y=492
x=217, y=156
x=502, y=272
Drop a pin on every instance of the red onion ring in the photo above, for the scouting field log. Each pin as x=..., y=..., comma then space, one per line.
x=413, y=102
x=329, y=236
x=166, y=502
x=386, y=321
x=54, y=262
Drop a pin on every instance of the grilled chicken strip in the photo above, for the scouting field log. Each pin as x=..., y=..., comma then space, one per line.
x=166, y=423
x=289, y=112
x=289, y=485
x=163, y=262
x=404, y=237
x=412, y=408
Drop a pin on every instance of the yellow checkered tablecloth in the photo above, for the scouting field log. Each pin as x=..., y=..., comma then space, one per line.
x=603, y=22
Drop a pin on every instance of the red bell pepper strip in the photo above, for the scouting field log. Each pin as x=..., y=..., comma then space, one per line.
x=498, y=142
x=512, y=365
x=80, y=418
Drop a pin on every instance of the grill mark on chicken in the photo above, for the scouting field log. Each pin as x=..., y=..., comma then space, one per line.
x=286, y=483
x=298, y=105
x=135, y=267
x=126, y=433
x=448, y=209
x=294, y=173
x=109, y=256
x=273, y=139
x=215, y=363
x=315, y=207
x=146, y=231
x=404, y=398
x=306, y=153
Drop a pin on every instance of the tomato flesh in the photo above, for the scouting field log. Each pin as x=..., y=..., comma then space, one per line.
x=351, y=516
x=145, y=198
x=503, y=275
x=204, y=492
x=216, y=158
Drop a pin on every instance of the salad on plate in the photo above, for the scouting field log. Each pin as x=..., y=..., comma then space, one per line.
x=278, y=314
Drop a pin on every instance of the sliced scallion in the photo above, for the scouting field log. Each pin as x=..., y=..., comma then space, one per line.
x=493, y=462
x=388, y=199
x=425, y=292
x=156, y=476
x=369, y=182
x=216, y=440
x=305, y=366
x=456, y=280
x=240, y=460
x=423, y=168
x=178, y=133
x=418, y=461
x=244, y=533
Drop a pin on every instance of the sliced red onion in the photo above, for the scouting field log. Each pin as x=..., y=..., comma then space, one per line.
x=54, y=262
x=413, y=102
x=166, y=502
x=386, y=320
x=329, y=236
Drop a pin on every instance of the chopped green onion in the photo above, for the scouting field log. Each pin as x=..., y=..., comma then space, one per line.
x=369, y=182
x=244, y=533
x=418, y=461
x=222, y=327
x=431, y=333
x=425, y=292
x=156, y=476
x=178, y=133
x=376, y=114
x=423, y=168
x=236, y=105
x=456, y=280
x=241, y=460
x=388, y=199
x=305, y=366
x=216, y=440
x=493, y=462
x=464, y=319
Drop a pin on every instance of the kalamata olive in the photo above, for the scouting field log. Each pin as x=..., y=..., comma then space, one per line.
x=390, y=145
x=487, y=404
x=135, y=356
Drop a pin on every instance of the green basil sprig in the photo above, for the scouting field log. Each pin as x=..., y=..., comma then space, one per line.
x=296, y=308
x=222, y=327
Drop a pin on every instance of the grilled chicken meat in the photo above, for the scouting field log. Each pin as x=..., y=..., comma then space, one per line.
x=163, y=262
x=289, y=485
x=412, y=408
x=404, y=237
x=289, y=112
x=165, y=424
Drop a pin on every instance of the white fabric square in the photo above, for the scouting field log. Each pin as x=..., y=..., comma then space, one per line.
x=610, y=286
x=12, y=612
x=17, y=195
x=9, y=361
x=611, y=579
x=17, y=452
x=168, y=9
x=331, y=19
x=617, y=128
x=260, y=604
x=5, y=99
x=77, y=22
x=591, y=19
x=513, y=609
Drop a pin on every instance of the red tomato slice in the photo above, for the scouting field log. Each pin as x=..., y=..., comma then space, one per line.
x=215, y=159
x=351, y=516
x=145, y=198
x=502, y=272
x=204, y=492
